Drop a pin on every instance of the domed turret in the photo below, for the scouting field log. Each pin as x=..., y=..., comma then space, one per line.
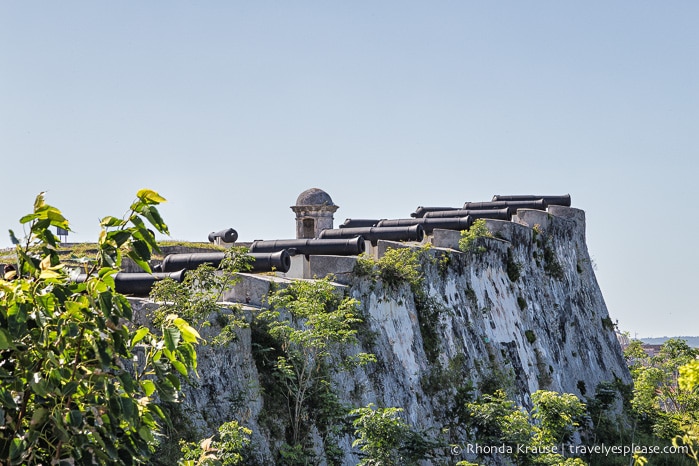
x=314, y=213
x=314, y=196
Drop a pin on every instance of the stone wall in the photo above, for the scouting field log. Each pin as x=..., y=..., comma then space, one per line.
x=524, y=313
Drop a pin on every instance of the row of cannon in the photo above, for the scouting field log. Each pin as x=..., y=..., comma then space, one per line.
x=348, y=240
x=175, y=266
x=500, y=208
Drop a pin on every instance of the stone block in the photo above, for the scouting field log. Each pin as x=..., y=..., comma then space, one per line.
x=298, y=269
x=340, y=267
x=251, y=289
x=446, y=238
x=509, y=231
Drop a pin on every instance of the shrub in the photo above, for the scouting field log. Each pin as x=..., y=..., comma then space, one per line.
x=78, y=383
x=478, y=229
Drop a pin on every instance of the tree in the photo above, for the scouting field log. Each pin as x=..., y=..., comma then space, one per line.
x=528, y=437
x=386, y=439
x=310, y=321
x=198, y=296
x=78, y=383
x=689, y=381
x=659, y=401
x=227, y=451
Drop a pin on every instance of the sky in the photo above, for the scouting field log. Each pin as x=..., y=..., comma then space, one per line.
x=231, y=109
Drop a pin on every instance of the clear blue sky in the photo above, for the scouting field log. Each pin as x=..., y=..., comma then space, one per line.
x=231, y=109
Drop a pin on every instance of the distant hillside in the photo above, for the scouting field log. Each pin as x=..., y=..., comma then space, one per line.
x=691, y=341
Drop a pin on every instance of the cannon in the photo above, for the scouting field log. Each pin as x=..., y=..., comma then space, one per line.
x=538, y=204
x=140, y=283
x=229, y=235
x=263, y=262
x=563, y=200
x=429, y=224
x=279, y=261
x=312, y=247
x=359, y=223
x=421, y=211
x=373, y=234
x=497, y=214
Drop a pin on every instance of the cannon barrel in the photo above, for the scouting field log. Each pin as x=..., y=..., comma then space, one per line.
x=498, y=214
x=538, y=204
x=191, y=261
x=429, y=224
x=279, y=261
x=140, y=283
x=421, y=210
x=359, y=223
x=373, y=234
x=229, y=235
x=563, y=200
x=312, y=247
x=263, y=262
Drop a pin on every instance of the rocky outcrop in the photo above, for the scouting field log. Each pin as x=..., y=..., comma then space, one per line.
x=522, y=312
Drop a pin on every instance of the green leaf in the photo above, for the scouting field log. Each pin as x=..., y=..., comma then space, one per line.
x=153, y=216
x=13, y=238
x=57, y=219
x=39, y=385
x=69, y=388
x=127, y=380
x=138, y=259
x=148, y=387
x=172, y=337
x=5, y=339
x=150, y=197
x=118, y=237
x=39, y=416
x=16, y=449
x=139, y=335
x=141, y=249
x=181, y=368
x=110, y=221
x=28, y=218
x=74, y=418
x=146, y=434
x=189, y=334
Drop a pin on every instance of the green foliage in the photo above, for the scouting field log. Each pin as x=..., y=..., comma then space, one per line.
x=558, y=415
x=310, y=322
x=478, y=229
x=428, y=312
x=530, y=437
x=229, y=450
x=78, y=384
x=607, y=323
x=522, y=303
x=397, y=266
x=386, y=439
x=531, y=337
x=198, y=296
x=662, y=404
x=689, y=376
x=665, y=399
x=551, y=265
x=512, y=267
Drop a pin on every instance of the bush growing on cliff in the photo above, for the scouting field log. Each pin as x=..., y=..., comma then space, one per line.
x=398, y=265
x=478, y=229
x=78, y=383
x=198, y=296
